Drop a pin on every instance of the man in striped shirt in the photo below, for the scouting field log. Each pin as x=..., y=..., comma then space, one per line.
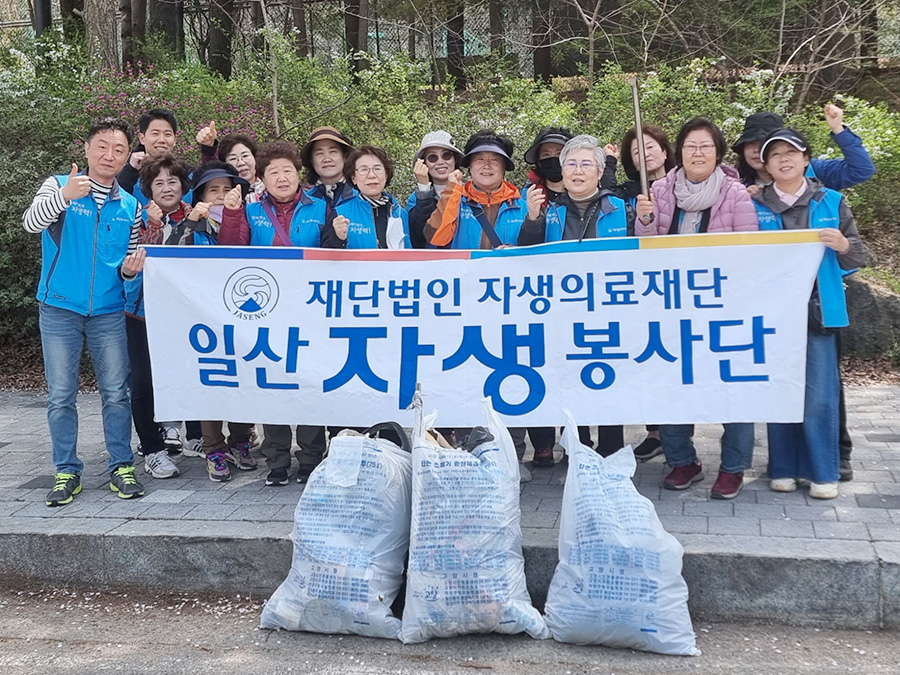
x=89, y=229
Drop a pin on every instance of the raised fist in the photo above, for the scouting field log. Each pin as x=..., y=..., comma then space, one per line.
x=233, y=200
x=456, y=178
x=200, y=210
x=534, y=199
x=137, y=159
x=341, y=226
x=421, y=172
x=611, y=149
x=154, y=213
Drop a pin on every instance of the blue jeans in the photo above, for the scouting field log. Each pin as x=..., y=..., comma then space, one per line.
x=737, y=445
x=810, y=449
x=63, y=334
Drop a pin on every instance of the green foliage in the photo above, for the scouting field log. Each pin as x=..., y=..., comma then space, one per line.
x=49, y=95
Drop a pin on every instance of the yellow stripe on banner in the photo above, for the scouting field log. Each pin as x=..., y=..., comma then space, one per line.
x=730, y=239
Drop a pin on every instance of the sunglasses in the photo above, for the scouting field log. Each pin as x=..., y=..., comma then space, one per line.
x=433, y=157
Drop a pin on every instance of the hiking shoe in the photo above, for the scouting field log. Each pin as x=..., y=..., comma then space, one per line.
x=172, y=438
x=783, y=484
x=823, y=490
x=845, y=471
x=159, y=465
x=727, y=485
x=65, y=487
x=193, y=447
x=241, y=457
x=543, y=457
x=682, y=476
x=217, y=466
x=254, y=438
x=277, y=477
x=304, y=471
x=648, y=449
x=123, y=483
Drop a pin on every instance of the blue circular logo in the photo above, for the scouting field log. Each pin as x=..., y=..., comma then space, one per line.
x=250, y=293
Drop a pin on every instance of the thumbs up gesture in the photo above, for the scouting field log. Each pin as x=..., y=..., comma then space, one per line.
x=76, y=186
x=207, y=135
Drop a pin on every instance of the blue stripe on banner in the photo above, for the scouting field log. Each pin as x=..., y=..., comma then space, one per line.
x=608, y=244
x=266, y=252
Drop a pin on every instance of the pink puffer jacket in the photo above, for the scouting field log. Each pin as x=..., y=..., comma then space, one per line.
x=732, y=212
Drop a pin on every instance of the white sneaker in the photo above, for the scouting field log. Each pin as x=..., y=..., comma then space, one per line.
x=159, y=465
x=823, y=490
x=783, y=484
x=524, y=474
x=193, y=447
x=172, y=438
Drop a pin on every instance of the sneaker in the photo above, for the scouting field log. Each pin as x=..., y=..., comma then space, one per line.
x=172, y=438
x=140, y=450
x=543, y=457
x=217, y=466
x=845, y=471
x=277, y=477
x=648, y=449
x=304, y=471
x=727, y=485
x=65, y=487
x=123, y=483
x=783, y=484
x=193, y=447
x=823, y=490
x=254, y=438
x=524, y=474
x=159, y=465
x=241, y=456
x=681, y=477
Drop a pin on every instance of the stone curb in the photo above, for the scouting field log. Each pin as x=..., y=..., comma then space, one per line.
x=801, y=582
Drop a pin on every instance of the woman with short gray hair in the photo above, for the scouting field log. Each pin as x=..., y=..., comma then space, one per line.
x=581, y=211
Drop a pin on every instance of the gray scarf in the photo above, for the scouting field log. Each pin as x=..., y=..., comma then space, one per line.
x=694, y=198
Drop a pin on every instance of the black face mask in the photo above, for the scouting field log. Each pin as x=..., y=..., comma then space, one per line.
x=550, y=169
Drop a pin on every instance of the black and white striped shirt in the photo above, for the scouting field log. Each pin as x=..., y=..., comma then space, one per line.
x=49, y=202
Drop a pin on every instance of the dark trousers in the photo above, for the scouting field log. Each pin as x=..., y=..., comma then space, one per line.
x=542, y=437
x=609, y=439
x=142, y=387
x=276, y=446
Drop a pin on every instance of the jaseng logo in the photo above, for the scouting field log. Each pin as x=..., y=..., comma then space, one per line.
x=250, y=293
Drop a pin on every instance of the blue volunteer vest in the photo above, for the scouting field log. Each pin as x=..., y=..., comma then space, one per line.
x=361, y=232
x=824, y=211
x=509, y=222
x=610, y=223
x=306, y=222
x=82, y=252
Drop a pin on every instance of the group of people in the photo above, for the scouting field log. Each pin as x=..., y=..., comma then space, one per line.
x=330, y=193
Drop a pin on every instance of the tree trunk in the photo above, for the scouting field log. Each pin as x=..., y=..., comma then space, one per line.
x=167, y=18
x=540, y=36
x=102, y=32
x=411, y=35
x=256, y=22
x=356, y=30
x=495, y=19
x=43, y=16
x=298, y=12
x=73, y=24
x=127, y=27
x=138, y=25
x=868, y=39
x=456, y=45
x=221, y=26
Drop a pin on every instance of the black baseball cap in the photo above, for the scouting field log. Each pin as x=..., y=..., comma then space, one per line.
x=786, y=135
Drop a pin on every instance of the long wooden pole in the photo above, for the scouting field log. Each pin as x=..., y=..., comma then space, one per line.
x=639, y=138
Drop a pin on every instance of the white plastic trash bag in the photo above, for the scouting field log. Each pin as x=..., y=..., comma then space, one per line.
x=466, y=571
x=351, y=536
x=618, y=582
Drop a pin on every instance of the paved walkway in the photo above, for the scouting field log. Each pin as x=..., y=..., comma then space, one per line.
x=861, y=527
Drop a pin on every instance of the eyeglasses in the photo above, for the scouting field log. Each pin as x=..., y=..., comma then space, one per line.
x=704, y=149
x=433, y=157
x=586, y=165
x=378, y=169
x=245, y=157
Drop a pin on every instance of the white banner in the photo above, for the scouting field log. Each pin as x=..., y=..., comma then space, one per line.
x=679, y=329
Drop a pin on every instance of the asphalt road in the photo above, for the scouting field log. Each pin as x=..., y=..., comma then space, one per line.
x=46, y=631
